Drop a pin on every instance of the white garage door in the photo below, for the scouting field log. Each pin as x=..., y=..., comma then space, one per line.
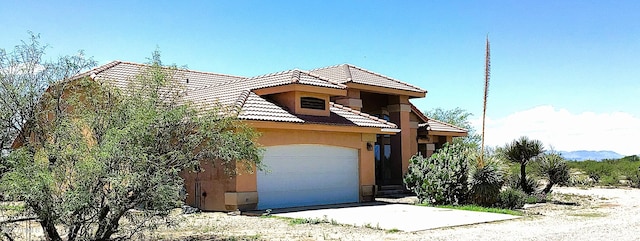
x=304, y=175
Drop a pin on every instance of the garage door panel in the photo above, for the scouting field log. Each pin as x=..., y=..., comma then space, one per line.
x=302, y=175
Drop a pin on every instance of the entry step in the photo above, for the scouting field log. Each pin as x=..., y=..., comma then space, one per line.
x=390, y=190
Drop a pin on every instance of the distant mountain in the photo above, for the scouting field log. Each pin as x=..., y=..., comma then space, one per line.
x=590, y=155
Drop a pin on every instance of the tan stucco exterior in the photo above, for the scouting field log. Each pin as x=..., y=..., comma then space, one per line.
x=240, y=192
x=213, y=189
x=220, y=192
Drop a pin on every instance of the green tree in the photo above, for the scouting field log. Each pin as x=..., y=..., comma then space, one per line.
x=102, y=163
x=24, y=77
x=458, y=117
x=523, y=151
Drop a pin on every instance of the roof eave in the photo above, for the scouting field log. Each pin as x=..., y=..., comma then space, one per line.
x=317, y=127
x=386, y=90
x=300, y=87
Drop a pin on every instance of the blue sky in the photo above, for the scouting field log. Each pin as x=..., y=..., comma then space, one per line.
x=565, y=72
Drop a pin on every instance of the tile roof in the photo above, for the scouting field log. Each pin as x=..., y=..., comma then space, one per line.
x=120, y=73
x=207, y=90
x=293, y=76
x=258, y=108
x=435, y=125
x=419, y=113
x=346, y=73
x=360, y=118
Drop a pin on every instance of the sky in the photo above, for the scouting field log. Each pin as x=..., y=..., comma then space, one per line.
x=564, y=72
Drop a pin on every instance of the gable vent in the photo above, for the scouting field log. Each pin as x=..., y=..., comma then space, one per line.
x=312, y=103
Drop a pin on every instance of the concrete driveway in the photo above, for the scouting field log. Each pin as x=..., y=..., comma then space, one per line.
x=404, y=217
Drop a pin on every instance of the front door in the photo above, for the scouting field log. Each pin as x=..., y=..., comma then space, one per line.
x=384, y=163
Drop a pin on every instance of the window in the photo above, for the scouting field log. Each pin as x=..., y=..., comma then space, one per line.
x=312, y=103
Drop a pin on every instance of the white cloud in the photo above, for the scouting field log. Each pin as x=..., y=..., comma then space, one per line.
x=566, y=131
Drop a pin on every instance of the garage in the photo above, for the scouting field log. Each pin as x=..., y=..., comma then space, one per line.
x=305, y=175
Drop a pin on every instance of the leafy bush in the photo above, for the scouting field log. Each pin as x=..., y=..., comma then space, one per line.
x=441, y=178
x=511, y=198
x=486, y=182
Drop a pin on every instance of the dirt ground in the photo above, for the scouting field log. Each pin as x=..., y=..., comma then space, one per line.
x=573, y=214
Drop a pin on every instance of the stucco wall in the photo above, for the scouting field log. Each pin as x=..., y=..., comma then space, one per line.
x=216, y=184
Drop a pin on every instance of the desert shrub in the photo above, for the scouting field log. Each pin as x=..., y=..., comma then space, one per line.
x=611, y=172
x=594, y=169
x=441, y=178
x=634, y=180
x=581, y=181
x=612, y=180
x=486, y=182
x=511, y=198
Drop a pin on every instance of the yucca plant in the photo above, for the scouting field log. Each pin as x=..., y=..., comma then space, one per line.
x=523, y=151
x=555, y=169
x=486, y=181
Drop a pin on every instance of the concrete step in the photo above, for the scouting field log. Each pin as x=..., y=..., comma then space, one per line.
x=390, y=191
x=390, y=187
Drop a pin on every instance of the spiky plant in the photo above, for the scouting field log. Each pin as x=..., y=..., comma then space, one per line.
x=523, y=151
x=555, y=169
x=486, y=181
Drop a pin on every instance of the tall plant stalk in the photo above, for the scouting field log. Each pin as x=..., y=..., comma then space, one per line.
x=487, y=74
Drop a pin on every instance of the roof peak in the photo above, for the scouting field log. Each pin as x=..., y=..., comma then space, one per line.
x=383, y=76
x=347, y=70
x=296, y=75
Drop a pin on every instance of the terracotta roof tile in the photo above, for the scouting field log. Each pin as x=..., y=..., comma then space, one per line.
x=359, y=118
x=292, y=76
x=258, y=108
x=345, y=73
x=435, y=125
x=122, y=72
x=208, y=90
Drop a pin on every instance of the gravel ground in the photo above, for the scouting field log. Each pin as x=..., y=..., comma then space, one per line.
x=575, y=214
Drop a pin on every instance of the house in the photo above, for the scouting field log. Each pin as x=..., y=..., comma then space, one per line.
x=332, y=135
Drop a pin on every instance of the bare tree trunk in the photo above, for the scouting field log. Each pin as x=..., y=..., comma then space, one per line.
x=523, y=178
x=547, y=188
x=50, y=230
